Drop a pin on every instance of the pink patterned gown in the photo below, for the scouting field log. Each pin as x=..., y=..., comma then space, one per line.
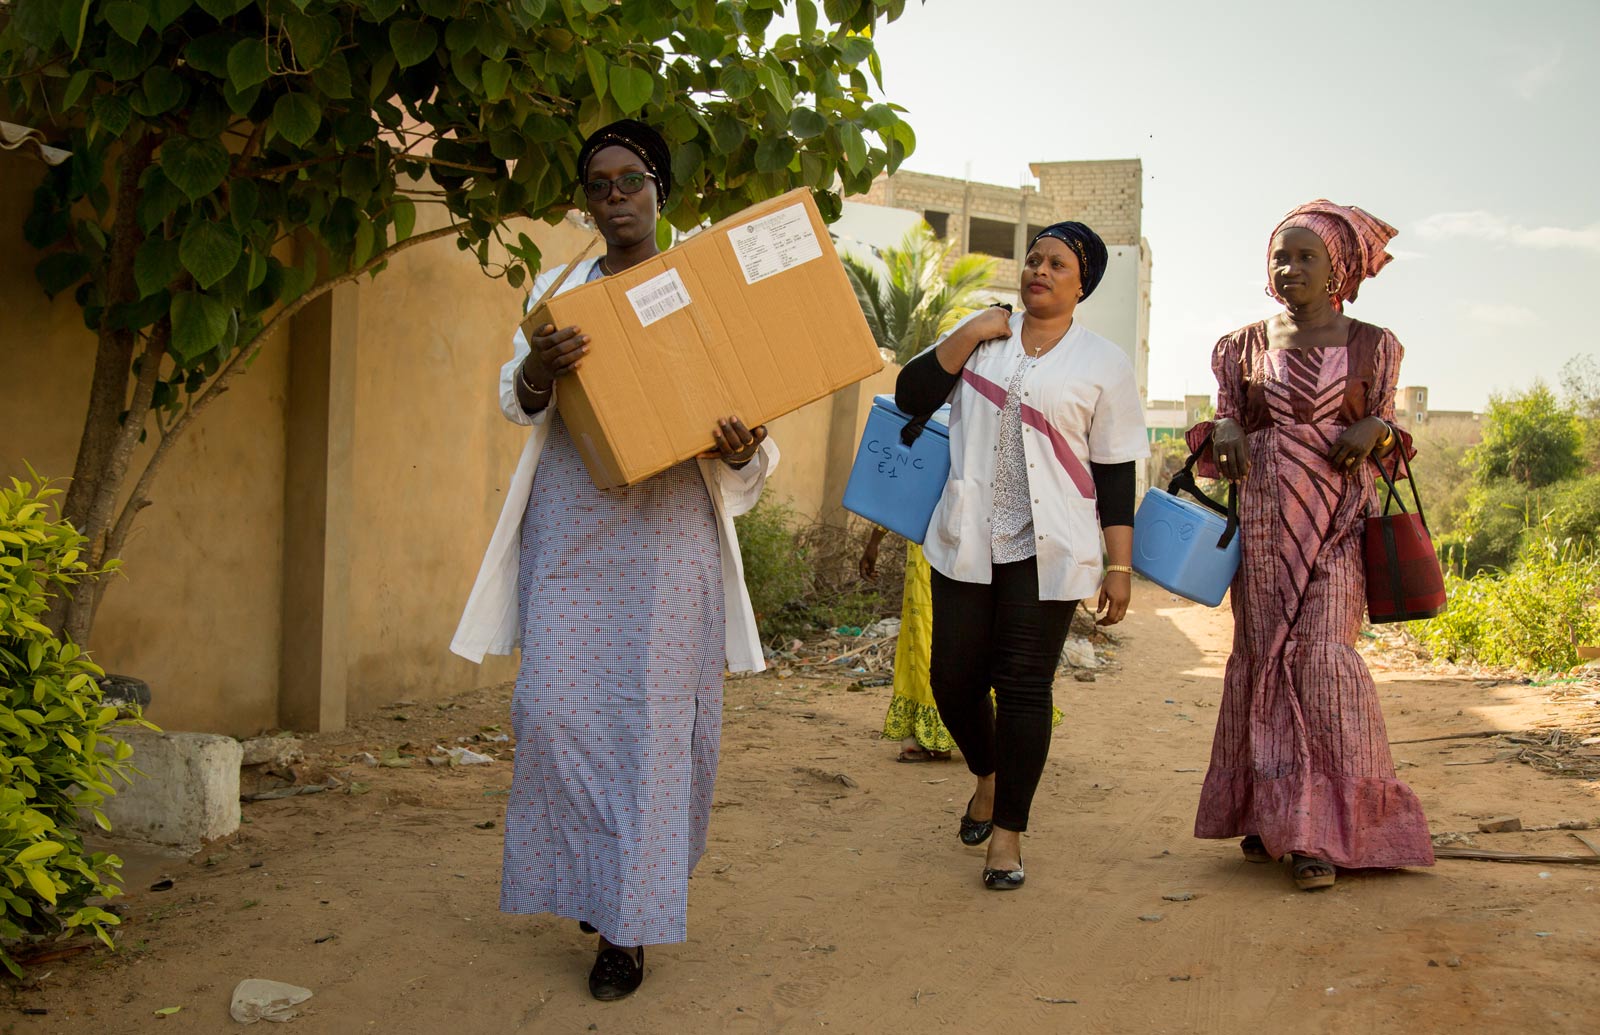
x=1301, y=757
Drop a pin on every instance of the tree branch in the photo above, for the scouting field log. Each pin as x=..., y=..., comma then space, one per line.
x=139, y=498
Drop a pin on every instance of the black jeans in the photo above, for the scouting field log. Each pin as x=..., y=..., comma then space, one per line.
x=1002, y=636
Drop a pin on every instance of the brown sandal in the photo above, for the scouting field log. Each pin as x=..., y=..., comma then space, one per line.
x=1311, y=873
x=1254, y=849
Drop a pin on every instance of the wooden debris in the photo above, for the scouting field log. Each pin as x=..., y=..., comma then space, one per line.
x=1485, y=855
x=1588, y=842
x=1500, y=825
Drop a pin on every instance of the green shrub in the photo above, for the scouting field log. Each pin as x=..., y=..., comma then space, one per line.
x=1527, y=616
x=56, y=753
x=802, y=577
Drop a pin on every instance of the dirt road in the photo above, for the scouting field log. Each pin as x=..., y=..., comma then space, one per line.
x=823, y=906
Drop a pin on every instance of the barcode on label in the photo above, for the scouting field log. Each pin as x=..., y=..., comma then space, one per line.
x=658, y=296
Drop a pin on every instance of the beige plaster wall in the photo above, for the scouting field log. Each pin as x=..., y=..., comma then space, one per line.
x=196, y=613
x=803, y=476
x=433, y=455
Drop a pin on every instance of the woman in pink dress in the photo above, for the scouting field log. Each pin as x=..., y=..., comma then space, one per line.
x=1300, y=766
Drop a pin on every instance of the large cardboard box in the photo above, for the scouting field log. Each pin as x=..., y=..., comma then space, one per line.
x=753, y=316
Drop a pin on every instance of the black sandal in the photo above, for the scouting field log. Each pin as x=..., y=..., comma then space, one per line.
x=1254, y=849
x=974, y=832
x=617, y=973
x=587, y=928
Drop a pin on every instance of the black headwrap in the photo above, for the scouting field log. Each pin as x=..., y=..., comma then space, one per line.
x=642, y=141
x=1086, y=245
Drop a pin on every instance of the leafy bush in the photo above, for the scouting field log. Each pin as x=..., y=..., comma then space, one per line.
x=1490, y=529
x=1534, y=438
x=1528, y=616
x=56, y=754
x=802, y=578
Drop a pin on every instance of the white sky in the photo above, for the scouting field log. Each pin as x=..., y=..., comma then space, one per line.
x=1472, y=126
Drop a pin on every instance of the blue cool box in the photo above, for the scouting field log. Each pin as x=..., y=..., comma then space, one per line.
x=1175, y=546
x=895, y=485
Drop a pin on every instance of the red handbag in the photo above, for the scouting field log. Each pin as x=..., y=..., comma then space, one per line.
x=1404, y=581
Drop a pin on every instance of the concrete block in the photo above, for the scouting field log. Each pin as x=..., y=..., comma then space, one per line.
x=1500, y=825
x=188, y=795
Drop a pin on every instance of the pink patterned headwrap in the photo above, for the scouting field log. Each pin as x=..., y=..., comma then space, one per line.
x=1354, y=237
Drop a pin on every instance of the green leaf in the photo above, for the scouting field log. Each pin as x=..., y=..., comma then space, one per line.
x=73, y=18
x=332, y=77
x=776, y=79
x=209, y=53
x=807, y=12
x=631, y=88
x=167, y=1011
x=210, y=251
x=737, y=82
x=774, y=153
x=404, y=216
x=595, y=62
x=247, y=64
x=855, y=148
x=76, y=85
x=159, y=91
x=198, y=324
x=156, y=265
x=806, y=123
x=221, y=9
x=296, y=117
x=412, y=41
x=312, y=36
x=196, y=167
x=127, y=18
x=39, y=849
x=164, y=12
x=41, y=883
x=113, y=113
x=496, y=77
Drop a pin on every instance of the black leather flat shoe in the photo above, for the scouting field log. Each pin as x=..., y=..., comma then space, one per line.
x=587, y=928
x=1004, y=880
x=974, y=831
x=617, y=973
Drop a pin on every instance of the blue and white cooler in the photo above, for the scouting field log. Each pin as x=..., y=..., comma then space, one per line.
x=900, y=468
x=1189, y=548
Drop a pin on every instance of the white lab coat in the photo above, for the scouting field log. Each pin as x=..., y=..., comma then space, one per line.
x=1080, y=403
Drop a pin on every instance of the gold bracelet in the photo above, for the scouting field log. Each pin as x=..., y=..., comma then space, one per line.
x=1388, y=434
x=1120, y=567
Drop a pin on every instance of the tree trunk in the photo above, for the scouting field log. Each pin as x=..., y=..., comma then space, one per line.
x=108, y=439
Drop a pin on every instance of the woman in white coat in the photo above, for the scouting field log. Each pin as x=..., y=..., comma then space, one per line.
x=626, y=604
x=1045, y=426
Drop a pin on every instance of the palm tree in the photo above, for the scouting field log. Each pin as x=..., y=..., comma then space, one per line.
x=909, y=307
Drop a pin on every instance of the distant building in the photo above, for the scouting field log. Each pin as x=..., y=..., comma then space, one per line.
x=1411, y=408
x=1000, y=221
x=1170, y=418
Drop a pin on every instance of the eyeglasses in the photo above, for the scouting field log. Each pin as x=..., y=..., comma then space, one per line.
x=627, y=183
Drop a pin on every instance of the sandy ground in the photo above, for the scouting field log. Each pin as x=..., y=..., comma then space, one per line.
x=822, y=905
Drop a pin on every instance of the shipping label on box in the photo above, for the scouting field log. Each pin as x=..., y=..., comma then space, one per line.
x=754, y=316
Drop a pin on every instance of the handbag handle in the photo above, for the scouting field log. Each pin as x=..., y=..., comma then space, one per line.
x=1184, y=480
x=1394, y=493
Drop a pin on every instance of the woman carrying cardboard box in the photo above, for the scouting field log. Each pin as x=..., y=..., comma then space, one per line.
x=626, y=604
x=1045, y=427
